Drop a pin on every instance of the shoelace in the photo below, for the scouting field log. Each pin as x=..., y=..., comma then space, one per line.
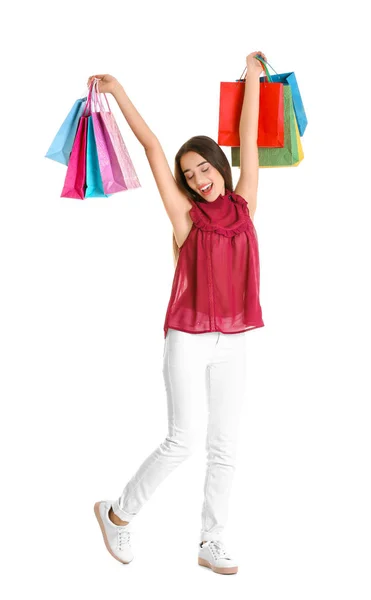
x=219, y=550
x=123, y=537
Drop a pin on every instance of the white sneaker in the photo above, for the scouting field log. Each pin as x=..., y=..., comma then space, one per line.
x=116, y=537
x=213, y=554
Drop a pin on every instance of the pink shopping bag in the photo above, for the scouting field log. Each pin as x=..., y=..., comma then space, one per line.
x=106, y=126
x=74, y=183
x=109, y=167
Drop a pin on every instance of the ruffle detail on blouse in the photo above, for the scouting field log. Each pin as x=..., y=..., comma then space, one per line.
x=201, y=221
x=237, y=198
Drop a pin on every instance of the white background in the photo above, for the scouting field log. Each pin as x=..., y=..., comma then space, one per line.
x=85, y=287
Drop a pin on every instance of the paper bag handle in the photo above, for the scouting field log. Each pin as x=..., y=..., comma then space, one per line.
x=94, y=97
x=264, y=63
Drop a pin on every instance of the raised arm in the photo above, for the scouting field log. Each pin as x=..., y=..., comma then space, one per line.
x=247, y=186
x=137, y=124
x=174, y=200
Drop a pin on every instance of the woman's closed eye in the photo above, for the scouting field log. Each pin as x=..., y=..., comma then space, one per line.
x=203, y=171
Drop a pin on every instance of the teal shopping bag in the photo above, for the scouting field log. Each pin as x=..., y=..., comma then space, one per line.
x=290, y=79
x=94, y=181
x=61, y=146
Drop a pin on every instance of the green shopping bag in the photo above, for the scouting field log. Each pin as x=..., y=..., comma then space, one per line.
x=278, y=157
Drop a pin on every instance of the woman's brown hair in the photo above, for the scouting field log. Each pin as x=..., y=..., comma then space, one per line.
x=210, y=151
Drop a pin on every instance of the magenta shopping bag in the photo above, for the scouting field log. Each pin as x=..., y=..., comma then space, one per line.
x=74, y=183
x=116, y=166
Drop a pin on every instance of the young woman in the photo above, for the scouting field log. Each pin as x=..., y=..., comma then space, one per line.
x=214, y=302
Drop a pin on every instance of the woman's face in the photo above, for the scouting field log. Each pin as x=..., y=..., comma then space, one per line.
x=199, y=173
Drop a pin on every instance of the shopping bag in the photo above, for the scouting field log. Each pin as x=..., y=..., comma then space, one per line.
x=115, y=143
x=290, y=79
x=278, y=157
x=74, y=183
x=94, y=183
x=61, y=146
x=300, y=146
x=109, y=167
x=300, y=150
x=271, y=108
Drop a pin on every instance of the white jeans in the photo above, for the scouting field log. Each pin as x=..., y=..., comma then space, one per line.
x=197, y=367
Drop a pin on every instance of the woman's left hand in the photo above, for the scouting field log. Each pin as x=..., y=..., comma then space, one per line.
x=254, y=66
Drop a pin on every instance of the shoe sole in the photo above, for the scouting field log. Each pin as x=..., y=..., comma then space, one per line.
x=101, y=525
x=222, y=570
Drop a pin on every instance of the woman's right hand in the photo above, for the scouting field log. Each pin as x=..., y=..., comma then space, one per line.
x=106, y=84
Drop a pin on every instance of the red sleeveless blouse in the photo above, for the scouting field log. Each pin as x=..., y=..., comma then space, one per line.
x=216, y=282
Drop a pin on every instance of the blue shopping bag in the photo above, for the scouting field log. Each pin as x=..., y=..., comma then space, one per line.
x=93, y=176
x=290, y=79
x=61, y=146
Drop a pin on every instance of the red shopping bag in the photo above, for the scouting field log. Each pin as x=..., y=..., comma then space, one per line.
x=74, y=183
x=271, y=113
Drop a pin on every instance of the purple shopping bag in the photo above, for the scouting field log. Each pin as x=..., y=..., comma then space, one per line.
x=117, y=169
